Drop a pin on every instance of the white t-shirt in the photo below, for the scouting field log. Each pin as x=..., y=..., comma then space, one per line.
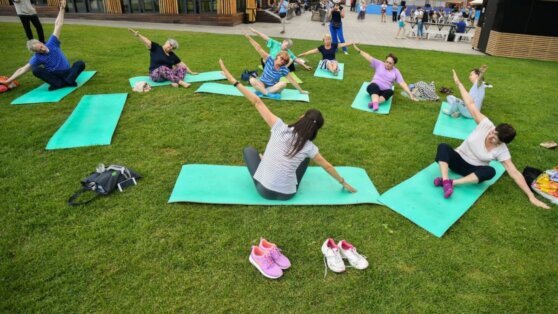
x=24, y=7
x=277, y=171
x=402, y=16
x=473, y=149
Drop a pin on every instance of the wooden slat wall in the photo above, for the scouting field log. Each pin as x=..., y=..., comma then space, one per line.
x=112, y=6
x=523, y=46
x=53, y=3
x=4, y=2
x=226, y=7
x=475, y=41
x=168, y=6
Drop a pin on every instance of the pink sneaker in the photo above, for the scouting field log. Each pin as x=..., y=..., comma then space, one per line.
x=281, y=260
x=448, y=187
x=264, y=263
x=439, y=181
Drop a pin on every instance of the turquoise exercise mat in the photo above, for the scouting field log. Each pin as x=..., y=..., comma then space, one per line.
x=92, y=122
x=216, y=184
x=229, y=89
x=424, y=204
x=201, y=77
x=42, y=94
x=326, y=74
x=458, y=128
x=362, y=99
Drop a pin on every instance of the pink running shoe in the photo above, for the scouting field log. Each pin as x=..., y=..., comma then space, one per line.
x=264, y=263
x=439, y=181
x=281, y=260
x=448, y=187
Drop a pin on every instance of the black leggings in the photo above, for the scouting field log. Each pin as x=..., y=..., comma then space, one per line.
x=447, y=154
x=61, y=78
x=373, y=88
x=394, y=16
x=26, y=20
x=252, y=160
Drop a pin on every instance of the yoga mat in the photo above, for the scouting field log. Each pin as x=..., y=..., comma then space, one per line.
x=216, y=184
x=424, y=204
x=42, y=94
x=326, y=74
x=229, y=89
x=447, y=126
x=92, y=122
x=283, y=79
x=201, y=77
x=362, y=99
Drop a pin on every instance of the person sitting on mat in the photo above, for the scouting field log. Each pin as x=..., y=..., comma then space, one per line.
x=457, y=106
x=471, y=159
x=164, y=65
x=380, y=89
x=269, y=83
x=274, y=48
x=327, y=50
x=278, y=172
x=49, y=62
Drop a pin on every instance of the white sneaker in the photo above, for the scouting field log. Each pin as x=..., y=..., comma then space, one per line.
x=349, y=252
x=332, y=257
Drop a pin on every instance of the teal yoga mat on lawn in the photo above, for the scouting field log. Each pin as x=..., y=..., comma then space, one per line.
x=362, y=99
x=424, y=204
x=458, y=128
x=92, y=122
x=201, y=77
x=326, y=74
x=42, y=94
x=216, y=184
x=229, y=89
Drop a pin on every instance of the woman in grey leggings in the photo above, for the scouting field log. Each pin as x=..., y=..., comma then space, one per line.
x=278, y=172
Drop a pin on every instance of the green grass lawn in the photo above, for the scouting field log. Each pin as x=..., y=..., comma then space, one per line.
x=133, y=252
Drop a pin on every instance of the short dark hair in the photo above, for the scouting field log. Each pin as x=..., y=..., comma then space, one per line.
x=506, y=132
x=476, y=70
x=391, y=55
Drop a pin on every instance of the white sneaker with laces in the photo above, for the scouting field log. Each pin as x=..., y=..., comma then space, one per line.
x=349, y=252
x=332, y=258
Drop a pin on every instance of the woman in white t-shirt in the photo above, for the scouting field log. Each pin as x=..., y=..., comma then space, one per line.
x=278, y=172
x=471, y=159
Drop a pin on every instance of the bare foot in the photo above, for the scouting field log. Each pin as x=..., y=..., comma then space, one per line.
x=184, y=84
x=174, y=84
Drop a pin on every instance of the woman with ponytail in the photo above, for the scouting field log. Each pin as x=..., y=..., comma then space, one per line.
x=278, y=172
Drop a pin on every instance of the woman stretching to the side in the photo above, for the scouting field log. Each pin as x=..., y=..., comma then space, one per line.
x=278, y=172
x=327, y=50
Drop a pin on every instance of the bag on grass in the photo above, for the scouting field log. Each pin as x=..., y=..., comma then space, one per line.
x=104, y=181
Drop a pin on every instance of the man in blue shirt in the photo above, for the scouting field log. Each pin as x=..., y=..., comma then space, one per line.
x=49, y=62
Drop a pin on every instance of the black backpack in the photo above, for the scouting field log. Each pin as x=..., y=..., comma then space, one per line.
x=104, y=181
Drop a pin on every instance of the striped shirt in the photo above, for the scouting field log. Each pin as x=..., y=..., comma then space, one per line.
x=277, y=171
x=270, y=75
x=53, y=60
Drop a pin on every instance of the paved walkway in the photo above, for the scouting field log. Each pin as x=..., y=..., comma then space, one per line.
x=370, y=31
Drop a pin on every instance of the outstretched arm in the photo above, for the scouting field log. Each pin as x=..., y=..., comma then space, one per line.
x=407, y=90
x=468, y=100
x=341, y=45
x=262, y=35
x=295, y=84
x=366, y=56
x=322, y=162
x=520, y=181
x=482, y=70
x=257, y=46
x=266, y=114
x=182, y=64
x=60, y=19
x=309, y=52
x=142, y=38
x=19, y=72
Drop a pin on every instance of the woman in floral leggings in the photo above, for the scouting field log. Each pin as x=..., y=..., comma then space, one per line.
x=164, y=64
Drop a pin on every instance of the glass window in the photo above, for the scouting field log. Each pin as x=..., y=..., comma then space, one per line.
x=96, y=6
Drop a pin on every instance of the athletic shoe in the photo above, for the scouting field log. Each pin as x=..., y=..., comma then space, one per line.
x=349, y=252
x=280, y=260
x=438, y=181
x=446, y=112
x=346, y=52
x=332, y=257
x=455, y=115
x=448, y=187
x=373, y=106
x=264, y=263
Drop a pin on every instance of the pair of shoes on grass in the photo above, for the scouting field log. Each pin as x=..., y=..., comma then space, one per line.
x=268, y=259
x=447, y=185
x=334, y=254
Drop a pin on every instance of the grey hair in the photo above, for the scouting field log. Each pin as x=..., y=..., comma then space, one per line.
x=173, y=43
x=289, y=42
x=31, y=44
